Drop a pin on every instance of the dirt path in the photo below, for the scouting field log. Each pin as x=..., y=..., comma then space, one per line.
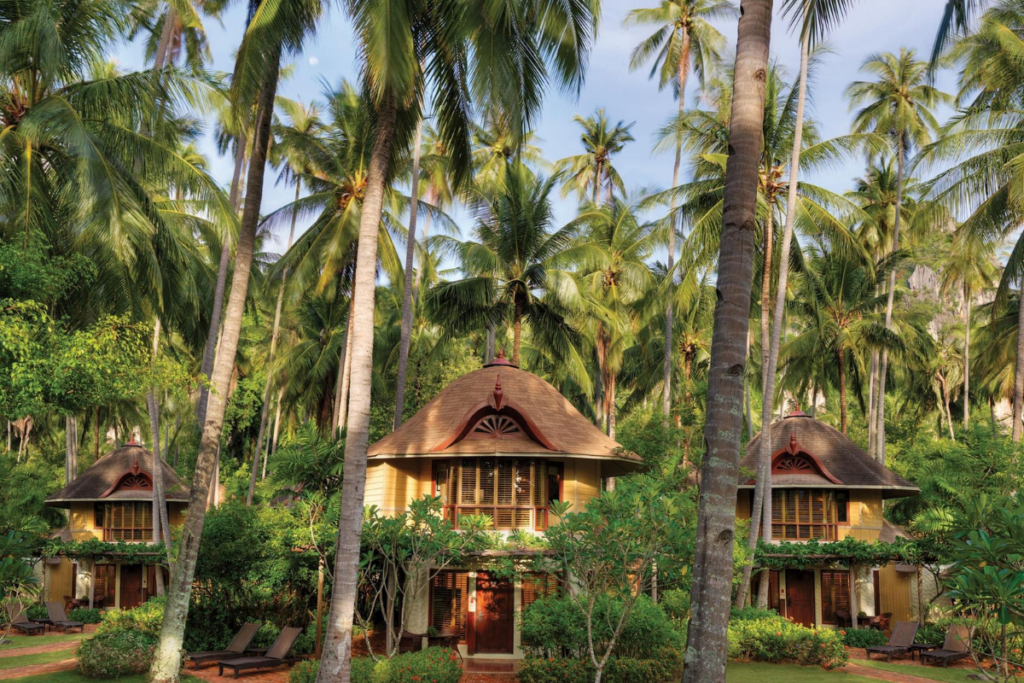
x=37, y=669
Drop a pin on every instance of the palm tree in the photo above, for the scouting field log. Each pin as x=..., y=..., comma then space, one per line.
x=501, y=53
x=898, y=104
x=593, y=169
x=275, y=26
x=684, y=39
x=514, y=270
x=615, y=280
x=293, y=142
x=713, y=556
x=969, y=268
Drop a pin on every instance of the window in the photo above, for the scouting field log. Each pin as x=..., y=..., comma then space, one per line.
x=536, y=586
x=125, y=521
x=842, y=506
x=835, y=595
x=512, y=492
x=803, y=514
x=449, y=598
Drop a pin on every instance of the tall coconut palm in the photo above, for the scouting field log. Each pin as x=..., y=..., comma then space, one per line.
x=615, y=281
x=684, y=40
x=275, y=26
x=516, y=269
x=293, y=141
x=593, y=170
x=899, y=103
x=815, y=17
x=716, y=515
x=503, y=54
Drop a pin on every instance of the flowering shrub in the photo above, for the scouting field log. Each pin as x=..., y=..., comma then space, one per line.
x=146, y=618
x=433, y=665
x=666, y=666
x=116, y=654
x=84, y=615
x=863, y=637
x=774, y=639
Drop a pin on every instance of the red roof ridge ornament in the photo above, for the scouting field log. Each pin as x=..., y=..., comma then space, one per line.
x=135, y=464
x=793, y=447
x=500, y=360
x=797, y=412
x=499, y=395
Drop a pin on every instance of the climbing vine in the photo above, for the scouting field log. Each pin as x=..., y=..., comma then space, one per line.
x=129, y=553
x=790, y=555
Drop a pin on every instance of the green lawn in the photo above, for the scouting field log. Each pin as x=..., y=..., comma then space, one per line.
x=75, y=677
x=786, y=673
x=15, y=661
x=935, y=673
x=32, y=641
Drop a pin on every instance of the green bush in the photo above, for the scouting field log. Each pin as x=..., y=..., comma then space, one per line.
x=676, y=604
x=433, y=665
x=556, y=626
x=772, y=638
x=752, y=614
x=145, y=618
x=85, y=615
x=667, y=665
x=935, y=633
x=863, y=637
x=37, y=611
x=115, y=654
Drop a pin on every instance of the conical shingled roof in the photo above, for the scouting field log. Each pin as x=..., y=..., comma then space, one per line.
x=843, y=464
x=464, y=420
x=96, y=482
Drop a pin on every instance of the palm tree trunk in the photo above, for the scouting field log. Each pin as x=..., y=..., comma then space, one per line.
x=70, y=448
x=666, y=390
x=771, y=362
x=167, y=658
x=489, y=351
x=1018, y=373
x=270, y=359
x=337, y=420
x=410, y=251
x=154, y=429
x=883, y=366
x=967, y=357
x=841, y=360
x=272, y=441
x=346, y=381
x=335, y=666
x=164, y=46
x=429, y=198
x=872, y=402
x=610, y=403
x=517, y=330
x=235, y=199
x=716, y=517
x=95, y=434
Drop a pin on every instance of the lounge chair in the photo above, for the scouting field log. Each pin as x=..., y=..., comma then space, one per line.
x=899, y=642
x=21, y=623
x=410, y=642
x=277, y=655
x=957, y=645
x=236, y=648
x=59, y=619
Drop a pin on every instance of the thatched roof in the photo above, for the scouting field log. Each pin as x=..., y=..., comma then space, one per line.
x=836, y=461
x=503, y=411
x=100, y=481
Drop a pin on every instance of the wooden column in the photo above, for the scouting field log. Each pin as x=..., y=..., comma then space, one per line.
x=319, y=607
x=921, y=610
x=854, y=608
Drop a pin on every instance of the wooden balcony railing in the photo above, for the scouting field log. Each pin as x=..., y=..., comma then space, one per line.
x=128, y=535
x=503, y=517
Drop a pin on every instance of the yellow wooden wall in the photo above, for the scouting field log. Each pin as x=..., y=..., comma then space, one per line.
x=82, y=519
x=59, y=580
x=865, y=520
x=374, y=494
x=894, y=589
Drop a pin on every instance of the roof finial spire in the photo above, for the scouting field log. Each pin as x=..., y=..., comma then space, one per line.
x=499, y=395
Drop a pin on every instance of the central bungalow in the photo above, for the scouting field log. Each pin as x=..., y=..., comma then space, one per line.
x=503, y=443
x=824, y=487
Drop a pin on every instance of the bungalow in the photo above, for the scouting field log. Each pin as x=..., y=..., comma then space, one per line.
x=112, y=501
x=824, y=487
x=503, y=443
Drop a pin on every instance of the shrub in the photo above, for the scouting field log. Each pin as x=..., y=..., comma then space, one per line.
x=752, y=614
x=85, y=615
x=434, y=664
x=774, y=639
x=266, y=636
x=37, y=611
x=666, y=666
x=115, y=654
x=555, y=626
x=146, y=618
x=676, y=604
x=863, y=637
x=307, y=670
x=935, y=633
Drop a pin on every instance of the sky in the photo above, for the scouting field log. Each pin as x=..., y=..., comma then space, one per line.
x=872, y=26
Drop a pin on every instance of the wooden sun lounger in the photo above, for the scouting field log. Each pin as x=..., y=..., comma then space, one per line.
x=957, y=646
x=277, y=655
x=236, y=648
x=899, y=642
x=60, y=620
x=22, y=624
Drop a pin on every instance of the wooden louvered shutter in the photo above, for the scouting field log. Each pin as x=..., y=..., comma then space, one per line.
x=449, y=597
x=778, y=499
x=505, y=483
x=789, y=510
x=486, y=482
x=467, y=485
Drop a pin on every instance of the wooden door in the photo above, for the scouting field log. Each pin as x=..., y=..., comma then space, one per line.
x=800, y=596
x=131, y=585
x=494, y=623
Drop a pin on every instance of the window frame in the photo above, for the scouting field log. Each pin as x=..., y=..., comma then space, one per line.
x=117, y=533
x=780, y=502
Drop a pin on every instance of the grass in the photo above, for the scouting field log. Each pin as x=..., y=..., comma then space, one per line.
x=32, y=641
x=785, y=673
x=934, y=673
x=75, y=677
x=15, y=661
